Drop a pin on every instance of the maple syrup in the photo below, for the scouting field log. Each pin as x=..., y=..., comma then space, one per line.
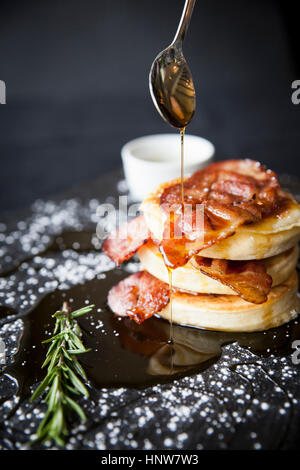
x=169, y=268
x=124, y=353
x=182, y=130
x=171, y=305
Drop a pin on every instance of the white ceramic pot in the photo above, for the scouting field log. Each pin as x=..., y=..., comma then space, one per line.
x=154, y=159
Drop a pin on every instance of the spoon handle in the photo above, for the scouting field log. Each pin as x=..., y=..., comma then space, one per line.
x=184, y=21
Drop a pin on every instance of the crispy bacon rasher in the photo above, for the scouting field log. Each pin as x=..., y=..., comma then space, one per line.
x=232, y=193
x=124, y=243
x=231, y=183
x=248, y=279
x=139, y=296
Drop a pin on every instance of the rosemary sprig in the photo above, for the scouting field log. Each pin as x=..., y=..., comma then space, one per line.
x=63, y=381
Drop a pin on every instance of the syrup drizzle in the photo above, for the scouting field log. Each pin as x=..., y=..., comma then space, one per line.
x=171, y=339
x=171, y=332
x=182, y=130
x=170, y=271
x=171, y=305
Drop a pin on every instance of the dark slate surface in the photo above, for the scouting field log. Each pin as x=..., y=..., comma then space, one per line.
x=244, y=401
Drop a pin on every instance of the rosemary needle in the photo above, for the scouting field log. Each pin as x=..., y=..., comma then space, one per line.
x=64, y=379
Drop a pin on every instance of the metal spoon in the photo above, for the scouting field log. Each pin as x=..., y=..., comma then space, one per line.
x=170, y=80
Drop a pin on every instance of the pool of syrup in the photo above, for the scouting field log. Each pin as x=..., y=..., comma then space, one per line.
x=123, y=352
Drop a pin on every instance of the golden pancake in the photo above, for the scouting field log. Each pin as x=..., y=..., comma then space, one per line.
x=189, y=278
x=269, y=237
x=231, y=313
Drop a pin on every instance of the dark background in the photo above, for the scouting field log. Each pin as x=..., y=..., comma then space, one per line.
x=77, y=85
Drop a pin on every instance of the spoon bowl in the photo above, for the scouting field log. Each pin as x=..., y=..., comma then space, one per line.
x=170, y=80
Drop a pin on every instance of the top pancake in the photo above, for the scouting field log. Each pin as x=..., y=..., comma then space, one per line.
x=272, y=235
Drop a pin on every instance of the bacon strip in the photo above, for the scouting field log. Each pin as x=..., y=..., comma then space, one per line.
x=139, y=296
x=248, y=279
x=123, y=243
x=231, y=193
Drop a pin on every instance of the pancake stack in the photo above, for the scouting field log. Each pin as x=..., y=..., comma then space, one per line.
x=231, y=269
